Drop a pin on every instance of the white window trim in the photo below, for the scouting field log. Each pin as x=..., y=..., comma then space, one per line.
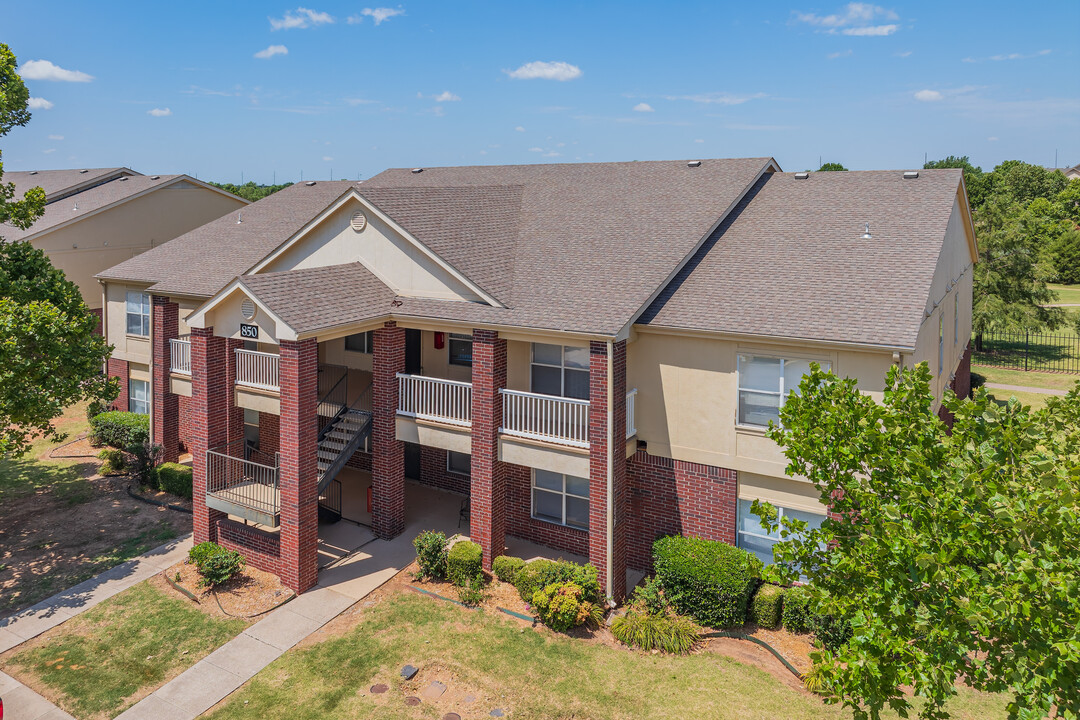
x=449, y=469
x=132, y=399
x=460, y=337
x=140, y=314
x=782, y=393
x=779, y=519
x=369, y=342
x=561, y=367
x=532, y=501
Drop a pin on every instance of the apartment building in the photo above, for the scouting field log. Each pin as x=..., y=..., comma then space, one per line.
x=586, y=355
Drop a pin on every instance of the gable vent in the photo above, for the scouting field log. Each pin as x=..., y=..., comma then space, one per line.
x=358, y=222
x=247, y=309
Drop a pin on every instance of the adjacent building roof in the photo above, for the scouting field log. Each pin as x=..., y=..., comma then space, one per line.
x=56, y=183
x=790, y=261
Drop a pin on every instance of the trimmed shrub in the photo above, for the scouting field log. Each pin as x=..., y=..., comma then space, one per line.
x=562, y=606
x=176, y=479
x=708, y=580
x=120, y=429
x=766, y=606
x=506, y=568
x=114, y=462
x=463, y=562
x=649, y=595
x=431, y=554
x=538, y=574
x=142, y=461
x=797, y=614
x=669, y=633
x=220, y=567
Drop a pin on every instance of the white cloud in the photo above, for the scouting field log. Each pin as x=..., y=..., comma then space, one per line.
x=992, y=139
x=540, y=70
x=551, y=154
x=159, y=112
x=534, y=149
x=856, y=19
x=1010, y=56
x=717, y=98
x=840, y=54
x=56, y=137
x=379, y=15
x=300, y=18
x=643, y=107
x=360, y=101
x=447, y=96
x=48, y=151
x=272, y=51
x=929, y=96
x=327, y=158
x=45, y=70
x=519, y=129
x=699, y=140
x=906, y=53
x=39, y=104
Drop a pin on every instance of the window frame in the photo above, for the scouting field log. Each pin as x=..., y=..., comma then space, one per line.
x=739, y=532
x=562, y=367
x=782, y=393
x=367, y=341
x=133, y=401
x=451, y=469
x=251, y=420
x=143, y=314
x=458, y=338
x=533, y=489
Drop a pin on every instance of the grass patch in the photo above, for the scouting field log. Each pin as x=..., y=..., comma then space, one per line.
x=1051, y=381
x=132, y=642
x=1037, y=401
x=1067, y=293
x=26, y=475
x=532, y=675
x=133, y=547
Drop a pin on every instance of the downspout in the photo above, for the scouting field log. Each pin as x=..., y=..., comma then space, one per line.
x=610, y=466
x=153, y=407
x=105, y=321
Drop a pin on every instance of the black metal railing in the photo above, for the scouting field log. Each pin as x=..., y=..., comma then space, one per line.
x=330, y=503
x=1029, y=351
x=333, y=389
x=243, y=475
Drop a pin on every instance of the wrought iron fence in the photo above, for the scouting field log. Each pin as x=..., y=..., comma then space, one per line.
x=1029, y=351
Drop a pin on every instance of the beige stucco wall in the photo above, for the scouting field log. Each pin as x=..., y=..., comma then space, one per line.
x=388, y=255
x=226, y=317
x=127, y=347
x=86, y=247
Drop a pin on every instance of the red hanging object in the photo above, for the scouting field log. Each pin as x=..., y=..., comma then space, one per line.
x=440, y=340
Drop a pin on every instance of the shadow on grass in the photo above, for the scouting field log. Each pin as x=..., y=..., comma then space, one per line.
x=25, y=476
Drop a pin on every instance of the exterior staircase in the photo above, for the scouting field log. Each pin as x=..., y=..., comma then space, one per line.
x=347, y=429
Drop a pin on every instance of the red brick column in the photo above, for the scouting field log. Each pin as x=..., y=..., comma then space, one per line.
x=605, y=447
x=388, y=463
x=210, y=404
x=298, y=380
x=487, y=522
x=164, y=406
x=119, y=370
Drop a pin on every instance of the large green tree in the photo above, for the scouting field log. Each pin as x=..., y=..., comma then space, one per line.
x=954, y=556
x=250, y=191
x=50, y=355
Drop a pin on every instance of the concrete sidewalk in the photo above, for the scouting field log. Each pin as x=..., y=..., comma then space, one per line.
x=1027, y=389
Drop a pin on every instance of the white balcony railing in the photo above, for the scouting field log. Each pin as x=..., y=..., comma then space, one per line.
x=180, y=351
x=631, y=422
x=257, y=369
x=428, y=398
x=546, y=417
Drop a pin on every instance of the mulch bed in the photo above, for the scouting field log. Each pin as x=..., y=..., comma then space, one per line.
x=252, y=592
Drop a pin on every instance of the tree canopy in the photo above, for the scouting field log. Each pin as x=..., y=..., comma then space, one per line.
x=955, y=557
x=832, y=167
x=50, y=354
x=250, y=191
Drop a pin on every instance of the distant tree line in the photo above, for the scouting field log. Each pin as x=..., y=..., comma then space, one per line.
x=249, y=190
x=1027, y=224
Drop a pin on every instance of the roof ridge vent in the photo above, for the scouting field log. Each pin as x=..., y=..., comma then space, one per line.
x=802, y=175
x=417, y=171
x=155, y=177
x=309, y=183
x=694, y=163
x=911, y=174
x=33, y=172
x=81, y=172
x=123, y=178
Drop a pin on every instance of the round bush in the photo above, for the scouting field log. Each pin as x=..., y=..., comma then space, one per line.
x=562, y=606
x=431, y=554
x=798, y=617
x=506, y=568
x=463, y=562
x=766, y=605
x=120, y=429
x=708, y=580
x=540, y=573
x=114, y=462
x=176, y=479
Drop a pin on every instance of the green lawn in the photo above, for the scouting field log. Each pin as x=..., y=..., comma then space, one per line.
x=27, y=475
x=1067, y=293
x=527, y=673
x=132, y=642
x=1053, y=381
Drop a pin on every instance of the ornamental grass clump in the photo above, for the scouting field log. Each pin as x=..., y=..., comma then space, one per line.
x=651, y=624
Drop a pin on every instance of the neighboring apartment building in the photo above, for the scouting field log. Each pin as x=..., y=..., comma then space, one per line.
x=590, y=353
x=96, y=218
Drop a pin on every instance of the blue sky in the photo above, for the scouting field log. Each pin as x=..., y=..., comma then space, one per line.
x=271, y=90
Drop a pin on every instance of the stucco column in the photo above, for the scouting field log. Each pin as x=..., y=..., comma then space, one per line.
x=164, y=405
x=487, y=486
x=210, y=402
x=298, y=380
x=388, y=461
x=607, y=460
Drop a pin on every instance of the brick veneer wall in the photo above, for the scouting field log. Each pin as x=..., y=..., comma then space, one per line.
x=433, y=472
x=601, y=452
x=185, y=429
x=299, y=526
x=210, y=402
x=674, y=497
x=99, y=315
x=961, y=384
x=361, y=460
x=520, y=523
x=388, y=463
x=269, y=433
x=165, y=408
x=261, y=548
x=119, y=370
x=487, y=483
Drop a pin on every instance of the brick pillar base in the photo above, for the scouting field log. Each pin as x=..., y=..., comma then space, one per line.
x=607, y=450
x=119, y=369
x=487, y=521
x=210, y=402
x=165, y=406
x=299, y=367
x=388, y=461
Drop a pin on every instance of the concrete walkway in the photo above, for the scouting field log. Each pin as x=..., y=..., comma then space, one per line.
x=22, y=703
x=1027, y=389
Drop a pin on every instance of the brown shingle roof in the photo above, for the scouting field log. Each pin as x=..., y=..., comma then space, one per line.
x=789, y=262
x=57, y=182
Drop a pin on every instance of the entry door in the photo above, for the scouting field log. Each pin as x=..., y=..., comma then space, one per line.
x=412, y=461
x=412, y=351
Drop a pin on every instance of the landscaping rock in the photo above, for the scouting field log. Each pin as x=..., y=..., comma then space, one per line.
x=433, y=691
x=412, y=701
x=497, y=712
x=379, y=689
x=409, y=672
x=451, y=716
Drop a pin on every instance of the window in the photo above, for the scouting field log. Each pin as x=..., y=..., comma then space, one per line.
x=138, y=314
x=561, y=371
x=956, y=319
x=251, y=428
x=764, y=382
x=752, y=536
x=360, y=342
x=562, y=499
x=941, y=342
x=460, y=349
x=460, y=463
x=139, y=396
